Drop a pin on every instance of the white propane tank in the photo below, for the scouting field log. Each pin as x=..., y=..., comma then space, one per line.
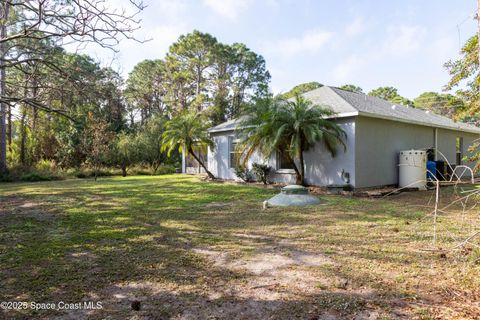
x=413, y=169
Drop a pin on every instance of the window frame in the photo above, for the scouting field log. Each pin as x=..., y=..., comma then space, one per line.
x=232, y=140
x=279, y=168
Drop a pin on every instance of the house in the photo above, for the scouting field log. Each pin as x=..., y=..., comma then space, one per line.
x=377, y=131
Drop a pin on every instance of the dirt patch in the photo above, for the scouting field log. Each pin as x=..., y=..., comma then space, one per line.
x=272, y=262
x=219, y=204
x=269, y=283
x=13, y=208
x=272, y=275
x=250, y=236
x=83, y=257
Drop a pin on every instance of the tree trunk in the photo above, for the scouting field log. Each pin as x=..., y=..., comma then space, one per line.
x=155, y=167
x=298, y=179
x=124, y=170
x=302, y=168
x=35, y=109
x=3, y=106
x=210, y=175
x=36, y=147
x=23, y=137
x=9, y=127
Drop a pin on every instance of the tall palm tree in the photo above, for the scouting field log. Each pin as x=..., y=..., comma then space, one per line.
x=184, y=132
x=290, y=127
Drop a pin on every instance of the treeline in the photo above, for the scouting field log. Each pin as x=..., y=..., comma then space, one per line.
x=80, y=114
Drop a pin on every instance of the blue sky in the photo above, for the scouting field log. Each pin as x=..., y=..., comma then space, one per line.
x=401, y=43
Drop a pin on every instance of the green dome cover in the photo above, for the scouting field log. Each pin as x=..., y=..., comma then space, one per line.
x=294, y=189
x=293, y=195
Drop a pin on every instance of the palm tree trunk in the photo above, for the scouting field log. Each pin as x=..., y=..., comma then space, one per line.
x=210, y=175
x=302, y=168
x=295, y=168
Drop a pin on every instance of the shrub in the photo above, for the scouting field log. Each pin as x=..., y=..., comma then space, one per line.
x=88, y=172
x=7, y=178
x=165, y=169
x=32, y=175
x=261, y=172
x=36, y=176
x=43, y=171
x=243, y=173
x=140, y=171
x=46, y=166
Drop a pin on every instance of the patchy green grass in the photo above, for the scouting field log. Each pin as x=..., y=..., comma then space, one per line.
x=191, y=249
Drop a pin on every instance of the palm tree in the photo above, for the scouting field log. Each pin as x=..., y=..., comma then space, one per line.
x=290, y=127
x=184, y=132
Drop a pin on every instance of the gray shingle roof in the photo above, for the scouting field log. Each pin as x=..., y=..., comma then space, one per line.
x=226, y=126
x=376, y=107
x=346, y=103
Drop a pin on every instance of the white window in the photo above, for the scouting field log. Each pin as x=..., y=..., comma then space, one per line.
x=233, y=152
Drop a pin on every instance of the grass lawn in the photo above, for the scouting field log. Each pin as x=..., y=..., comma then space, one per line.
x=188, y=249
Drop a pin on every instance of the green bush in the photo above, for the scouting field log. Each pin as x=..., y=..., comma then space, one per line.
x=46, y=166
x=165, y=169
x=261, y=172
x=140, y=171
x=87, y=172
x=37, y=176
x=46, y=170
x=243, y=173
x=7, y=178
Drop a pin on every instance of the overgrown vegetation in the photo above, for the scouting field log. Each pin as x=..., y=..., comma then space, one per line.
x=75, y=113
x=42, y=172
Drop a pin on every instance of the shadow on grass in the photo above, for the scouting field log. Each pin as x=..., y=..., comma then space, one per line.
x=80, y=240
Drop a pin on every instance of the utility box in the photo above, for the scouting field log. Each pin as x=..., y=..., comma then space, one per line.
x=412, y=172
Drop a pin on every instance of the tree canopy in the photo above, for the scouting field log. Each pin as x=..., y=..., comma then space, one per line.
x=439, y=103
x=465, y=77
x=301, y=88
x=203, y=73
x=352, y=88
x=390, y=94
x=58, y=101
x=35, y=72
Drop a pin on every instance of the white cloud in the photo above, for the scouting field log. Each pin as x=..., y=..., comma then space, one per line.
x=311, y=41
x=230, y=9
x=443, y=48
x=356, y=27
x=344, y=71
x=404, y=40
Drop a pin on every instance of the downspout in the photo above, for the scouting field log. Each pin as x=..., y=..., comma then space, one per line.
x=184, y=162
x=435, y=143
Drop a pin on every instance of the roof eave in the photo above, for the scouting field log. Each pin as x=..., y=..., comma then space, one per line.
x=220, y=130
x=338, y=115
x=426, y=124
